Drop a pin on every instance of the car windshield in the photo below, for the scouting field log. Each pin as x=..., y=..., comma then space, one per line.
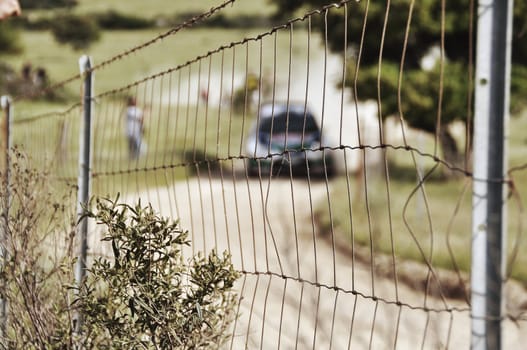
x=296, y=123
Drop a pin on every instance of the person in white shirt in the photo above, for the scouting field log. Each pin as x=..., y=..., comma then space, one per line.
x=134, y=128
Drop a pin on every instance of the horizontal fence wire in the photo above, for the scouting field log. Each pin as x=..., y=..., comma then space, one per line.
x=344, y=234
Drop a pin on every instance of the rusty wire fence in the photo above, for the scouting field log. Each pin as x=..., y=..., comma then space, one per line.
x=353, y=233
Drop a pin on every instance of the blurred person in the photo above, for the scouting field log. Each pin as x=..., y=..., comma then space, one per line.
x=41, y=77
x=134, y=128
x=9, y=8
x=26, y=71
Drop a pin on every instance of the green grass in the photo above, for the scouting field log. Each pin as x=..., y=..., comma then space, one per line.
x=61, y=62
x=155, y=8
x=438, y=229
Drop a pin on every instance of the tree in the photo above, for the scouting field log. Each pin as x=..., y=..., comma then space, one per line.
x=8, y=39
x=77, y=31
x=420, y=88
x=46, y=4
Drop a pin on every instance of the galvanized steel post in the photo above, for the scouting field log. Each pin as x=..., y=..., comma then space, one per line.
x=489, y=221
x=5, y=104
x=83, y=181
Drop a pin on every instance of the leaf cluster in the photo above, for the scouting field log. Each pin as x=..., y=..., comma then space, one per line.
x=146, y=296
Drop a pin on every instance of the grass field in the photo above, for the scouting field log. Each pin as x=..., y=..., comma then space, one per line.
x=432, y=222
x=155, y=8
x=61, y=62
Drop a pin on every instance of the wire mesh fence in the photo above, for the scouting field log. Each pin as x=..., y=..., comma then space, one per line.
x=350, y=229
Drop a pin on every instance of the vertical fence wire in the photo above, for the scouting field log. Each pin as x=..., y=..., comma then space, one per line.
x=84, y=179
x=490, y=160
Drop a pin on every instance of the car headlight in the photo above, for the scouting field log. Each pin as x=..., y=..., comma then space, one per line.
x=314, y=155
x=315, y=146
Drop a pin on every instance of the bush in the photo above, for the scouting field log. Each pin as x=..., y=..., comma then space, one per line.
x=46, y=4
x=116, y=20
x=31, y=82
x=33, y=22
x=37, y=261
x=225, y=22
x=78, y=31
x=145, y=296
x=9, y=42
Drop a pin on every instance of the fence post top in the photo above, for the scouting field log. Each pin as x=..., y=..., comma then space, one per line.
x=84, y=63
x=5, y=101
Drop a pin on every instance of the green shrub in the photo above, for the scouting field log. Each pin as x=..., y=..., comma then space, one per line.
x=46, y=4
x=115, y=20
x=9, y=42
x=225, y=22
x=33, y=22
x=78, y=31
x=146, y=296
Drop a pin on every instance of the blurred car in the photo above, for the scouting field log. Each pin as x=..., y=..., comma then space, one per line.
x=287, y=137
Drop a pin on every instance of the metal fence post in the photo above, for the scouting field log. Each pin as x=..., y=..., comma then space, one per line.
x=5, y=103
x=490, y=131
x=84, y=173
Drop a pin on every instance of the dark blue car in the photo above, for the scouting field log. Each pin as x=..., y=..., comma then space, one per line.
x=287, y=138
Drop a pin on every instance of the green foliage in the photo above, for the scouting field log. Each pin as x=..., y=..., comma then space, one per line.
x=286, y=7
x=223, y=21
x=9, y=39
x=37, y=243
x=425, y=31
x=115, y=20
x=419, y=98
x=46, y=4
x=244, y=95
x=518, y=88
x=29, y=82
x=78, y=31
x=146, y=296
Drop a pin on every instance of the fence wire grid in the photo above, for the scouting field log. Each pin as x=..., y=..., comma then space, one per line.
x=350, y=229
